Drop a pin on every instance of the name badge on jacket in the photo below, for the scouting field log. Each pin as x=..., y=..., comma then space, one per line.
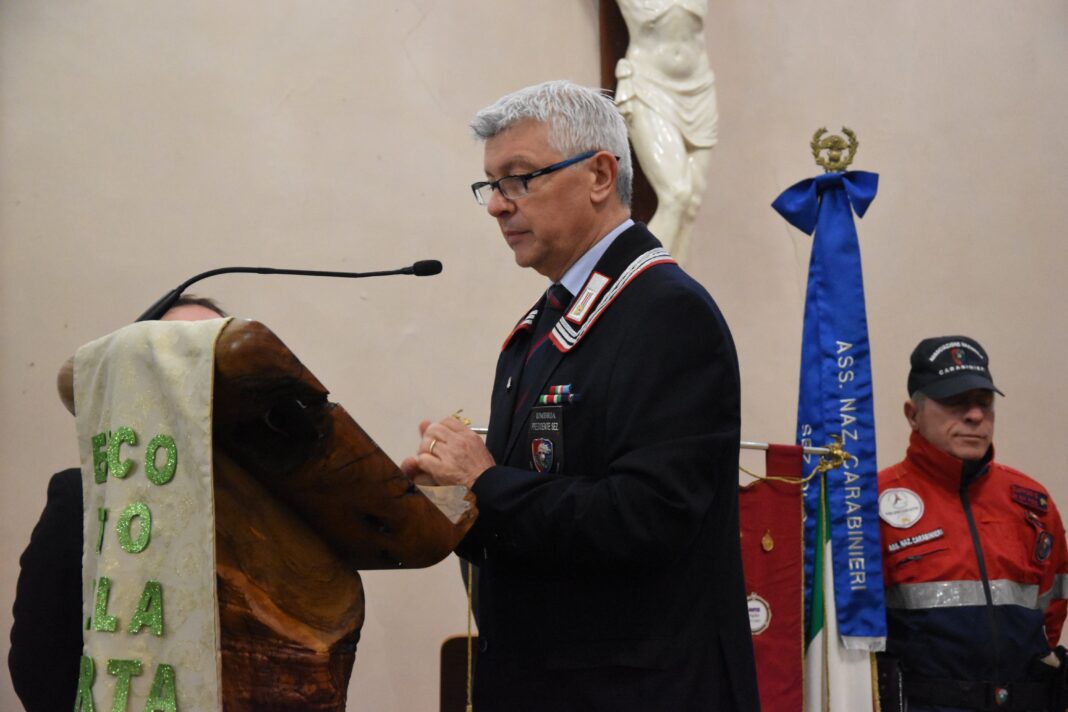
x=545, y=434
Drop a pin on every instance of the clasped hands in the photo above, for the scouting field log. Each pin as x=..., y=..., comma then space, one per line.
x=449, y=453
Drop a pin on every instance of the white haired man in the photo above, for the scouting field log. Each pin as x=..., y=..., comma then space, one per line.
x=607, y=540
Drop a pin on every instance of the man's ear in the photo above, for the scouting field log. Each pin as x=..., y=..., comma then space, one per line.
x=910, y=414
x=604, y=168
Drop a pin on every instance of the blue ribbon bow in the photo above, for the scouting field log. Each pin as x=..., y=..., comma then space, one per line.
x=800, y=203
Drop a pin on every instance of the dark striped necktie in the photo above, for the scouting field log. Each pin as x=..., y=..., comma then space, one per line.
x=556, y=300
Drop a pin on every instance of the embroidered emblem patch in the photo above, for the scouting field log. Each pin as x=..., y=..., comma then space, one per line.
x=1034, y=520
x=759, y=614
x=545, y=434
x=896, y=546
x=1043, y=546
x=1032, y=499
x=541, y=453
x=900, y=508
x=587, y=298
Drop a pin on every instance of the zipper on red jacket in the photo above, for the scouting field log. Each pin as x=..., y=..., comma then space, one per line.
x=995, y=633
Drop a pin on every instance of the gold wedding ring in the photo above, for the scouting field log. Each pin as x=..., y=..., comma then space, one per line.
x=433, y=442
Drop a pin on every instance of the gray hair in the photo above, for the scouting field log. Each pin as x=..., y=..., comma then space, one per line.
x=579, y=119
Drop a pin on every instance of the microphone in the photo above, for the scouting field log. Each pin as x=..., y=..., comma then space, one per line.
x=425, y=268
x=422, y=268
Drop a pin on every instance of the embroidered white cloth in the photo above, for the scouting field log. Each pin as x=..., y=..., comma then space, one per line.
x=144, y=405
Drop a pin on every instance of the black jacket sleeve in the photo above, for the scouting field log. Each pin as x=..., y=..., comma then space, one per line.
x=46, y=637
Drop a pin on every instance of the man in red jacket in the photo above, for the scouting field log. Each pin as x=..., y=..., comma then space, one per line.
x=974, y=555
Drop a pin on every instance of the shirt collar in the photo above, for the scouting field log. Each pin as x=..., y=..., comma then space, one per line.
x=576, y=276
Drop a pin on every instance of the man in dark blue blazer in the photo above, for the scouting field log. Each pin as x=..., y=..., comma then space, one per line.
x=607, y=539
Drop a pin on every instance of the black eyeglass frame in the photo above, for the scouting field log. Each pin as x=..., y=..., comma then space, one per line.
x=527, y=177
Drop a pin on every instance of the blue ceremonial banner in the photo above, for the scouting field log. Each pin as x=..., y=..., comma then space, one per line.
x=836, y=399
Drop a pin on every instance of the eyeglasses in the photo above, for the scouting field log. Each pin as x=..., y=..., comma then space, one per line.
x=512, y=187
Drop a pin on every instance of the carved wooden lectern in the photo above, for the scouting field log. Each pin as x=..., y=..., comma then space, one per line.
x=303, y=499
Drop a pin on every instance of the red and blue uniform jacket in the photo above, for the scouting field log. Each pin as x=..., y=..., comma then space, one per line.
x=975, y=566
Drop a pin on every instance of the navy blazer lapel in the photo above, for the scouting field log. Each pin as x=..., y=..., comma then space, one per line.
x=632, y=243
x=506, y=386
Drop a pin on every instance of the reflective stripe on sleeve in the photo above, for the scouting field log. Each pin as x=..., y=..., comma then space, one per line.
x=949, y=594
x=1058, y=591
x=1060, y=586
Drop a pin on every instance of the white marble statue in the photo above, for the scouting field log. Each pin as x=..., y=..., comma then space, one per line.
x=667, y=93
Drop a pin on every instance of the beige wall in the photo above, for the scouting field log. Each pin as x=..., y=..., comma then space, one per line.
x=142, y=143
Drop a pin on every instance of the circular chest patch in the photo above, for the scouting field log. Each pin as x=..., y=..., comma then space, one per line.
x=1043, y=546
x=759, y=614
x=900, y=507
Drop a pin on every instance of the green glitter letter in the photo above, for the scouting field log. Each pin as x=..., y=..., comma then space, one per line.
x=123, y=670
x=102, y=517
x=86, y=674
x=164, y=696
x=100, y=457
x=138, y=510
x=101, y=620
x=122, y=435
x=149, y=610
x=157, y=476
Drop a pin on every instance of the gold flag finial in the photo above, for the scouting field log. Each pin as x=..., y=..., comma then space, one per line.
x=835, y=146
x=836, y=455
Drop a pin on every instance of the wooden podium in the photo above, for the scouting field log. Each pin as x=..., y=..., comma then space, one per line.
x=303, y=499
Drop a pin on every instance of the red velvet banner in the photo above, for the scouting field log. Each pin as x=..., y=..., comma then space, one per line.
x=772, y=553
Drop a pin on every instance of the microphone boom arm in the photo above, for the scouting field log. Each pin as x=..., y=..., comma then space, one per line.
x=422, y=268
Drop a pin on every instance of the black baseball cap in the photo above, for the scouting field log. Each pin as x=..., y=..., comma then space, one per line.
x=945, y=366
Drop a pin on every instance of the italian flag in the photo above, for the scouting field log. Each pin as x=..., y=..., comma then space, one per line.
x=836, y=679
